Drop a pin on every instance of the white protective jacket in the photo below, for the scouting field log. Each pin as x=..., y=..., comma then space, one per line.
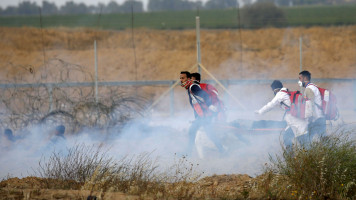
x=313, y=103
x=282, y=99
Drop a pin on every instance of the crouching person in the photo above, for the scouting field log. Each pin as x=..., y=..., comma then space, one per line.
x=295, y=126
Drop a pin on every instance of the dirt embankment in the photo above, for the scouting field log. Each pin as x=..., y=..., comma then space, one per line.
x=213, y=187
x=328, y=52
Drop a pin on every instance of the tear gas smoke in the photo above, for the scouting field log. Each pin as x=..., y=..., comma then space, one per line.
x=166, y=137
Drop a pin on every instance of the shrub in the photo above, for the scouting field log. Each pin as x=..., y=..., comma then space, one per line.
x=323, y=170
x=78, y=164
x=262, y=14
x=90, y=168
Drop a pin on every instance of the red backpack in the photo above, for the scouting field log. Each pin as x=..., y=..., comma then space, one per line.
x=328, y=104
x=213, y=94
x=297, y=108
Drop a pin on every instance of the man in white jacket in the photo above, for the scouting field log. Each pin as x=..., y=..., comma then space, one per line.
x=296, y=127
x=313, y=107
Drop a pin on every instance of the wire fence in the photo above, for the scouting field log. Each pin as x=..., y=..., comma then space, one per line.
x=74, y=103
x=63, y=93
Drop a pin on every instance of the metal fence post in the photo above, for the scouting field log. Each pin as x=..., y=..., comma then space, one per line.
x=197, y=21
x=96, y=73
x=50, y=92
x=226, y=96
x=354, y=84
x=171, y=107
x=300, y=53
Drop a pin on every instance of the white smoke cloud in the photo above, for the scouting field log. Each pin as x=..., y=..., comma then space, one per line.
x=166, y=137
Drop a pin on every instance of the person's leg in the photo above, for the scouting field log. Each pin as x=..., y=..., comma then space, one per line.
x=317, y=129
x=211, y=133
x=288, y=136
x=192, y=134
x=303, y=140
x=312, y=130
x=321, y=124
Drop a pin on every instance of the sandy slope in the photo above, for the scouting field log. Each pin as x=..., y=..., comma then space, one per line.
x=328, y=52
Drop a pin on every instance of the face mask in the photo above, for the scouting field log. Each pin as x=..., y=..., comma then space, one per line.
x=275, y=91
x=186, y=84
x=300, y=83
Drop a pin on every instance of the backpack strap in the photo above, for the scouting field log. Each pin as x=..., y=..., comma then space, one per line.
x=294, y=97
x=313, y=85
x=319, y=106
x=190, y=87
x=197, y=98
x=287, y=92
x=282, y=103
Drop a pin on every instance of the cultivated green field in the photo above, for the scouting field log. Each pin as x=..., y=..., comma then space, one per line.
x=211, y=19
x=317, y=15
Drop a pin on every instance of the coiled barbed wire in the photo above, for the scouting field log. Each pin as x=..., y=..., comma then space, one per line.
x=75, y=107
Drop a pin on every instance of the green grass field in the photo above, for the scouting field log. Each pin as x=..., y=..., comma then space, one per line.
x=317, y=15
x=210, y=19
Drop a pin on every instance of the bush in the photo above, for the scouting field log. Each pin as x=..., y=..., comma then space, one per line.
x=78, y=164
x=90, y=168
x=262, y=14
x=323, y=170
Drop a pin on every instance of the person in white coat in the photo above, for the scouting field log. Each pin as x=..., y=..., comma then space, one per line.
x=313, y=107
x=295, y=127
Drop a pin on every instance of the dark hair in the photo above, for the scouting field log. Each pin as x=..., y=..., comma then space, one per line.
x=186, y=73
x=276, y=84
x=306, y=74
x=60, y=129
x=196, y=75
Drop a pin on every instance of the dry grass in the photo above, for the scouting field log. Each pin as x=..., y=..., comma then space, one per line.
x=139, y=176
x=90, y=168
x=320, y=170
x=163, y=54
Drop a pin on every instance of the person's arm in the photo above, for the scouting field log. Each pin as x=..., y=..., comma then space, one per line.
x=309, y=104
x=275, y=102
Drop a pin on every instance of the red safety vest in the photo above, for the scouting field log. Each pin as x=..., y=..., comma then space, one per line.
x=199, y=104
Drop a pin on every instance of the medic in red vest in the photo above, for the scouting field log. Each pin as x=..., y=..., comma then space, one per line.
x=213, y=93
x=198, y=98
x=204, y=111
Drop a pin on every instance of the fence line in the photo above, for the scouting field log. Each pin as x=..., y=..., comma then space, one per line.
x=162, y=82
x=169, y=83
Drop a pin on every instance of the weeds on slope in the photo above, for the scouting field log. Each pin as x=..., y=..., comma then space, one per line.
x=325, y=169
x=91, y=168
